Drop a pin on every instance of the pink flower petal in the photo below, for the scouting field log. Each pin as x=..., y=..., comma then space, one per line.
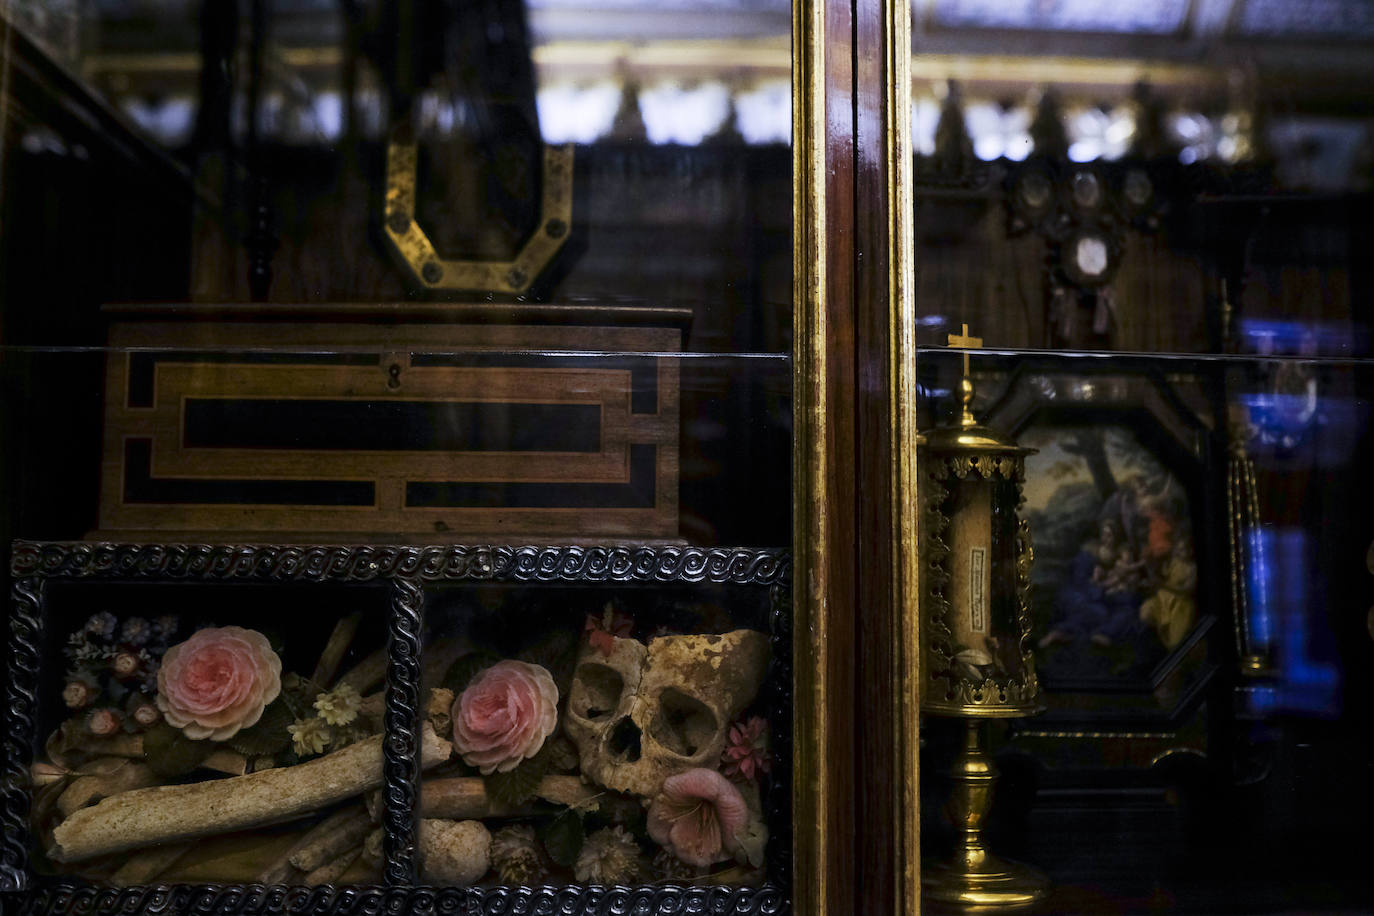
x=505, y=715
x=218, y=681
x=695, y=814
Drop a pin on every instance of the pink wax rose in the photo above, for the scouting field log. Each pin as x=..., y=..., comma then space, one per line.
x=697, y=816
x=218, y=682
x=504, y=716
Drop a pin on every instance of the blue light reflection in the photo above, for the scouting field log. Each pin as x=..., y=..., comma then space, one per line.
x=1273, y=337
x=1284, y=612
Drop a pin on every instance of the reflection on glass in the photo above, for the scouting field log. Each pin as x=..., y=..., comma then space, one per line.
x=1143, y=16
x=1304, y=679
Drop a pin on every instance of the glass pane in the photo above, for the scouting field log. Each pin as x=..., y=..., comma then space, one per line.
x=1084, y=182
x=645, y=741
x=1197, y=619
x=326, y=327
x=1152, y=217
x=128, y=674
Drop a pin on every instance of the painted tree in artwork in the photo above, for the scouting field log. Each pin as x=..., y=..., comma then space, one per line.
x=1089, y=444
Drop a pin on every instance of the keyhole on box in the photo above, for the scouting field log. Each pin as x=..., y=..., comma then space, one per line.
x=393, y=374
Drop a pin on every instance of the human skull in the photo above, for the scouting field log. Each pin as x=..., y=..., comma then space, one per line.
x=643, y=713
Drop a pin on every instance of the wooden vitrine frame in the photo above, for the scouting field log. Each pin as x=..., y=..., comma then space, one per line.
x=854, y=461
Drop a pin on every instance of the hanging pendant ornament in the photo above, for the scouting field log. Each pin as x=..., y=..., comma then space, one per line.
x=1104, y=315
x=976, y=633
x=430, y=271
x=509, y=196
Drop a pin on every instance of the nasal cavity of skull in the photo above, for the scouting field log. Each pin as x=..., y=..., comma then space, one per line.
x=684, y=725
x=601, y=689
x=624, y=740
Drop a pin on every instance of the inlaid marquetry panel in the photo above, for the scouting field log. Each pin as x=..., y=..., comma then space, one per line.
x=441, y=430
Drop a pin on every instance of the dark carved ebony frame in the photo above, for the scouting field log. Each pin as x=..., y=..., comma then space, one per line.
x=408, y=569
x=1175, y=415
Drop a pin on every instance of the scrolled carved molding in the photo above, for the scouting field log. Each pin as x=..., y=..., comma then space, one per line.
x=329, y=900
x=354, y=563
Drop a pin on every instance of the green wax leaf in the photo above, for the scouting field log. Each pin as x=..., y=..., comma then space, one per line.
x=562, y=838
x=464, y=669
x=268, y=735
x=170, y=753
x=518, y=786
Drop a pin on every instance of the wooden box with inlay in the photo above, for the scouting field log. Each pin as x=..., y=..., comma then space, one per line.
x=424, y=421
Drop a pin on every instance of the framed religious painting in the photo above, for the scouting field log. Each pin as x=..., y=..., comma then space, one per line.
x=1129, y=597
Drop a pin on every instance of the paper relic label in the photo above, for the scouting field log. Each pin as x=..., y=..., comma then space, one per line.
x=977, y=590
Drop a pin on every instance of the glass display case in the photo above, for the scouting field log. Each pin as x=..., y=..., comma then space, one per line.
x=1153, y=257
x=688, y=456
x=398, y=421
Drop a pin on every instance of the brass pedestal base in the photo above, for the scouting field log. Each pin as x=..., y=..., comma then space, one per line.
x=977, y=881
x=991, y=884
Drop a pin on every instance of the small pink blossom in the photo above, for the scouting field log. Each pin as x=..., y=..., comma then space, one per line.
x=103, y=722
x=125, y=665
x=746, y=750
x=698, y=816
x=602, y=630
x=78, y=694
x=217, y=682
x=504, y=716
x=146, y=714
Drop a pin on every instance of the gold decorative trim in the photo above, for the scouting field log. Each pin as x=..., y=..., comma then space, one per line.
x=430, y=271
x=1093, y=735
x=1243, y=527
x=813, y=780
x=904, y=444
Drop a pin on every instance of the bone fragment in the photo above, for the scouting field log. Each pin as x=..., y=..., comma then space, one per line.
x=106, y=776
x=372, y=848
x=439, y=710
x=362, y=872
x=453, y=852
x=45, y=804
x=463, y=797
x=368, y=674
x=458, y=798
x=567, y=790
x=145, y=865
x=236, y=859
x=373, y=706
x=71, y=743
x=335, y=649
x=329, y=846
x=43, y=774
x=333, y=870
x=226, y=761
x=281, y=870
x=439, y=655
x=122, y=745
x=169, y=813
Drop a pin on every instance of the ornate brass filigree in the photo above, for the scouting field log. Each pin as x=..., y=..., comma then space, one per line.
x=978, y=662
x=948, y=691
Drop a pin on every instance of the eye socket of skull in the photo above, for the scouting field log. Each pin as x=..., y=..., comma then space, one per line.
x=684, y=725
x=600, y=690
